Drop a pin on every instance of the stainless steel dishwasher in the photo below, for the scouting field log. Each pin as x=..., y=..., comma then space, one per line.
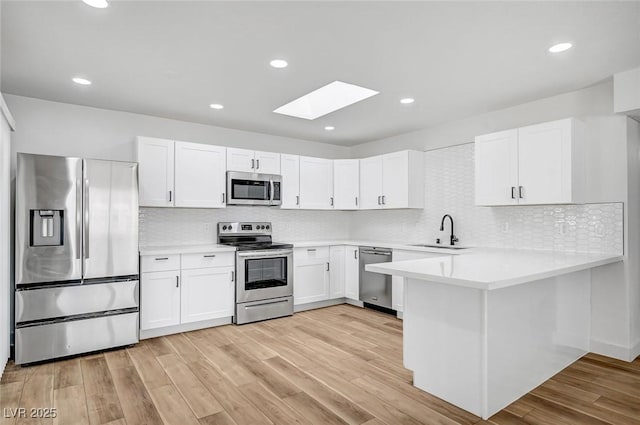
x=375, y=288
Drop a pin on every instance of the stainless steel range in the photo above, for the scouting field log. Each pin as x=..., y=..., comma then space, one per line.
x=264, y=270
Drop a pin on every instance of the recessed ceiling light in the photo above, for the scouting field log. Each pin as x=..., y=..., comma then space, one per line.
x=560, y=47
x=407, y=100
x=100, y=4
x=216, y=106
x=279, y=63
x=324, y=100
x=81, y=81
x=329, y=128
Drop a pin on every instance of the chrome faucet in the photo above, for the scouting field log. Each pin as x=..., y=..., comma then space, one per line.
x=452, y=238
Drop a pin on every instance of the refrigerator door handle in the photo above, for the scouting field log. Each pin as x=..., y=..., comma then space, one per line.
x=78, y=223
x=87, y=213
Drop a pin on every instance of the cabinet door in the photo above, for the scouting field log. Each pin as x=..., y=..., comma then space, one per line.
x=496, y=168
x=159, y=299
x=240, y=160
x=207, y=294
x=336, y=272
x=155, y=172
x=267, y=162
x=544, y=163
x=395, y=180
x=346, y=184
x=351, y=272
x=311, y=281
x=371, y=183
x=200, y=175
x=316, y=183
x=290, y=168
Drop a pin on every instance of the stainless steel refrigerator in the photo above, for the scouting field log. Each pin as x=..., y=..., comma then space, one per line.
x=76, y=252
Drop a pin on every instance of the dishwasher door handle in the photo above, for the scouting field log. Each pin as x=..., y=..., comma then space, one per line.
x=376, y=253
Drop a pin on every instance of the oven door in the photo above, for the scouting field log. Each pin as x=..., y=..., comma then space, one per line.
x=248, y=188
x=262, y=275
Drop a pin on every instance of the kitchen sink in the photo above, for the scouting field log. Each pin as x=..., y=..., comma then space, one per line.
x=440, y=246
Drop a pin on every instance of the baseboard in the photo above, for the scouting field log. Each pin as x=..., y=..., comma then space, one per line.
x=318, y=304
x=615, y=351
x=153, y=333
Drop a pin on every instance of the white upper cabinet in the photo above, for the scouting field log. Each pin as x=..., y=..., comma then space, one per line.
x=290, y=169
x=316, y=183
x=253, y=161
x=200, y=180
x=267, y=162
x=394, y=180
x=155, y=172
x=533, y=165
x=346, y=184
x=371, y=183
x=496, y=157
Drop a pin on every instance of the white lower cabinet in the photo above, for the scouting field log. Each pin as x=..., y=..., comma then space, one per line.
x=351, y=272
x=171, y=298
x=159, y=299
x=311, y=275
x=206, y=294
x=336, y=271
x=397, y=282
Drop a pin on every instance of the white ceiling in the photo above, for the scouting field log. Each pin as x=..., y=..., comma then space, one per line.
x=172, y=59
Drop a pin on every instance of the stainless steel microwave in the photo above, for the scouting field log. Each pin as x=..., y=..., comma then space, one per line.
x=253, y=189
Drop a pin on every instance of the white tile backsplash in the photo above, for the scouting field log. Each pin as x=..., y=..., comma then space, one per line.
x=449, y=189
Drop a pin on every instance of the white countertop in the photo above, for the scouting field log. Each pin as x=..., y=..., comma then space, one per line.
x=488, y=268
x=184, y=249
x=378, y=244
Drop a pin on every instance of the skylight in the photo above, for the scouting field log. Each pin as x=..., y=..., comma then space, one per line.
x=325, y=100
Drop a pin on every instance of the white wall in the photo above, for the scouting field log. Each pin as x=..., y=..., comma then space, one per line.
x=72, y=130
x=633, y=241
x=592, y=101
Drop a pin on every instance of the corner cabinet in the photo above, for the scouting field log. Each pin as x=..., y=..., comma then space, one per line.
x=181, y=174
x=394, y=180
x=290, y=169
x=537, y=164
x=316, y=183
x=346, y=184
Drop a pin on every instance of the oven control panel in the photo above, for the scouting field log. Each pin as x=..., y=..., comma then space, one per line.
x=263, y=228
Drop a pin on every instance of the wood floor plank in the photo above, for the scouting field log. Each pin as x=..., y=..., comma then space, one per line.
x=221, y=418
x=37, y=393
x=336, y=402
x=103, y=404
x=235, y=404
x=172, y=407
x=313, y=410
x=137, y=406
x=225, y=364
x=548, y=412
x=506, y=418
x=10, y=393
x=197, y=396
x=272, y=406
x=147, y=365
x=67, y=373
x=71, y=405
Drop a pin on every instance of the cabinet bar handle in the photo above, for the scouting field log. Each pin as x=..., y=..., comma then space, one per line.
x=383, y=201
x=257, y=164
x=170, y=196
x=311, y=249
x=253, y=164
x=355, y=254
x=356, y=201
x=332, y=201
x=233, y=276
x=520, y=190
x=513, y=192
x=328, y=267
x=297, y=199
x=379, y=200
x=209, y=256
x=223, y=197
x=162, y=258
x=177, y=281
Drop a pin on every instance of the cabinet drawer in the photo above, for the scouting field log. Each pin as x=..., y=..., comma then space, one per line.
x=311, y=253
x=159, y=263
x=208, y=259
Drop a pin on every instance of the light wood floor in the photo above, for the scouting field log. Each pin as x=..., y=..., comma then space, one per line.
x=338, y=365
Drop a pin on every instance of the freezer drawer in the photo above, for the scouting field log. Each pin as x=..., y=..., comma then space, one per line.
x=64, y=301
x=44, y=342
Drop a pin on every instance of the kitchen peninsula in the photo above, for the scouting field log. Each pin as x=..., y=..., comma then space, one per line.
x=483, y=328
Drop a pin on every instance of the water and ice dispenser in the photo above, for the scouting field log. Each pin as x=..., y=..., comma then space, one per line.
x=46, y=227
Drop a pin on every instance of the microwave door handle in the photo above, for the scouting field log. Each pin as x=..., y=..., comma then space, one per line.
x=270, y=191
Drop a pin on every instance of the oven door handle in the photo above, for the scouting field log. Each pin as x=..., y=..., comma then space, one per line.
x=265, y=253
